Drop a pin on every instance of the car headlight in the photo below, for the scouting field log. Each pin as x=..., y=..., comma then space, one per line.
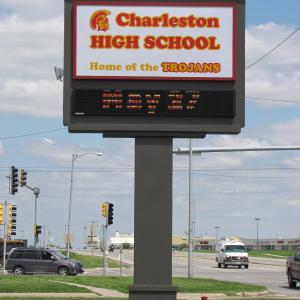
x=73, y=264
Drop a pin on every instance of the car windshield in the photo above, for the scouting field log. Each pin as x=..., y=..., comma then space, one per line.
x=58, y=254
x=235, y=248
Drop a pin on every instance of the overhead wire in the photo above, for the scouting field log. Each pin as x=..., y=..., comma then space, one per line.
x=32, y=134
x=273, y=49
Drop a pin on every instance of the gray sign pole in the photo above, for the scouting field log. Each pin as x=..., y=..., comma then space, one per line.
x=153, y=220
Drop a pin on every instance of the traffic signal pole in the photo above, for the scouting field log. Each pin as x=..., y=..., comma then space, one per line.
x=4, y=236
x=36, y=192
x=23, y=183
x=104, y=249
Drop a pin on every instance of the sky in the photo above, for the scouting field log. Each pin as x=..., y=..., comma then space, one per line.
x=229, y=190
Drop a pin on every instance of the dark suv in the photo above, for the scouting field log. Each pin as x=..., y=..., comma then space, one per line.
x=39, y=260
x=293, y=269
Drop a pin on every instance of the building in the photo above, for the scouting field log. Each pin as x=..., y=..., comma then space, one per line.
x=121, y=239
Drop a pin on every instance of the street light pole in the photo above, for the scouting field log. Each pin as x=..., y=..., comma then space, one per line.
x=84, y=238
x=257, y=220
x=74, y=157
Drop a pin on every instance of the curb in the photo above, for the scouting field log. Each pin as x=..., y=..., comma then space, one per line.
x=48, y=295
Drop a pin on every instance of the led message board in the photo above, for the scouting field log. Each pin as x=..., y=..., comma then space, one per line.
x=135, y=67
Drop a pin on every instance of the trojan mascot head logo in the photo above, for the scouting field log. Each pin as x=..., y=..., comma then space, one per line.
x=99, y=20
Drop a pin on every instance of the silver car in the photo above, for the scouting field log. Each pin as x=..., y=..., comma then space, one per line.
x=42, y=261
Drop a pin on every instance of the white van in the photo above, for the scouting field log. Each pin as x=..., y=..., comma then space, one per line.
x=231, y=252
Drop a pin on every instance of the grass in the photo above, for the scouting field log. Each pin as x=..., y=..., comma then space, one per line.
x=86, y=261
x=279, y=254
x=34, y=284
x=184, y=285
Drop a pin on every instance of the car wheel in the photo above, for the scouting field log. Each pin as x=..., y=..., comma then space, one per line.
x=225, y=266
x=246, y=266
x=219, y=265
x=292, y=283
x=19, y=270
x=63, y=271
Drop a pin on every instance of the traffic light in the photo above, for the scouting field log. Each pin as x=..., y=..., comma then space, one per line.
x=13, y=180
x=37, y=230
x=12, y=220
x=1, y=213
x=23, y=177
x=110, y=218
x=104, y=209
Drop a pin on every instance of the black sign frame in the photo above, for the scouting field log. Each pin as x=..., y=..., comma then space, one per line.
x=175, y=126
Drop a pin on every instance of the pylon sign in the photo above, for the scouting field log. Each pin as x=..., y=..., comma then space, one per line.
x=170, y=68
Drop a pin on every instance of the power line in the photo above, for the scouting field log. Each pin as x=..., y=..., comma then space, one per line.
x=273, y=49
x=274, y=100
x=31, y=134
x=130, y=169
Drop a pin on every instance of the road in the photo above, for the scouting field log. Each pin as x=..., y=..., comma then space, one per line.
x=262, y=271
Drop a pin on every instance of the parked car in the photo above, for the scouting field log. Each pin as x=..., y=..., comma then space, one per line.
x=40, y=260
x=293, y=269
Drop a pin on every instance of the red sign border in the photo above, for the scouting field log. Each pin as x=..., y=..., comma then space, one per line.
x=210, y=4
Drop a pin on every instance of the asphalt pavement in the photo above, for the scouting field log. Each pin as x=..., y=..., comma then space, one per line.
x=262, y=271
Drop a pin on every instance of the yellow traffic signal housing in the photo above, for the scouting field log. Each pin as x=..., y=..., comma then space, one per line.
x=104, y=209
x=12, y=214
x=1, y=213
x=23, y=178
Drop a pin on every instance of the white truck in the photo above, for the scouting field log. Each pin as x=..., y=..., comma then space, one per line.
x=231, y=252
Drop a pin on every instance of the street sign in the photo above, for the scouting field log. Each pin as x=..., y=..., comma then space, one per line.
x=156, y=68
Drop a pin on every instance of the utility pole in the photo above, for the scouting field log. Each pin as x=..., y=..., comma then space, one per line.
x=257, y=220
x=66, y=239
x=92, y=239
x=84, y=237
x=217, y=234
x=121, y=259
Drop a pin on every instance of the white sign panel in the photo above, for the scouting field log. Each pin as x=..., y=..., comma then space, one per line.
x=161, y=41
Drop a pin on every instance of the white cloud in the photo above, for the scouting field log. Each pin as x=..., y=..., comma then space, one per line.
x=39, y=98
x=27, y=80
x=32, y=48
x=283, y=133
x=278, y=75
x=32, y=9
x=59, y=153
